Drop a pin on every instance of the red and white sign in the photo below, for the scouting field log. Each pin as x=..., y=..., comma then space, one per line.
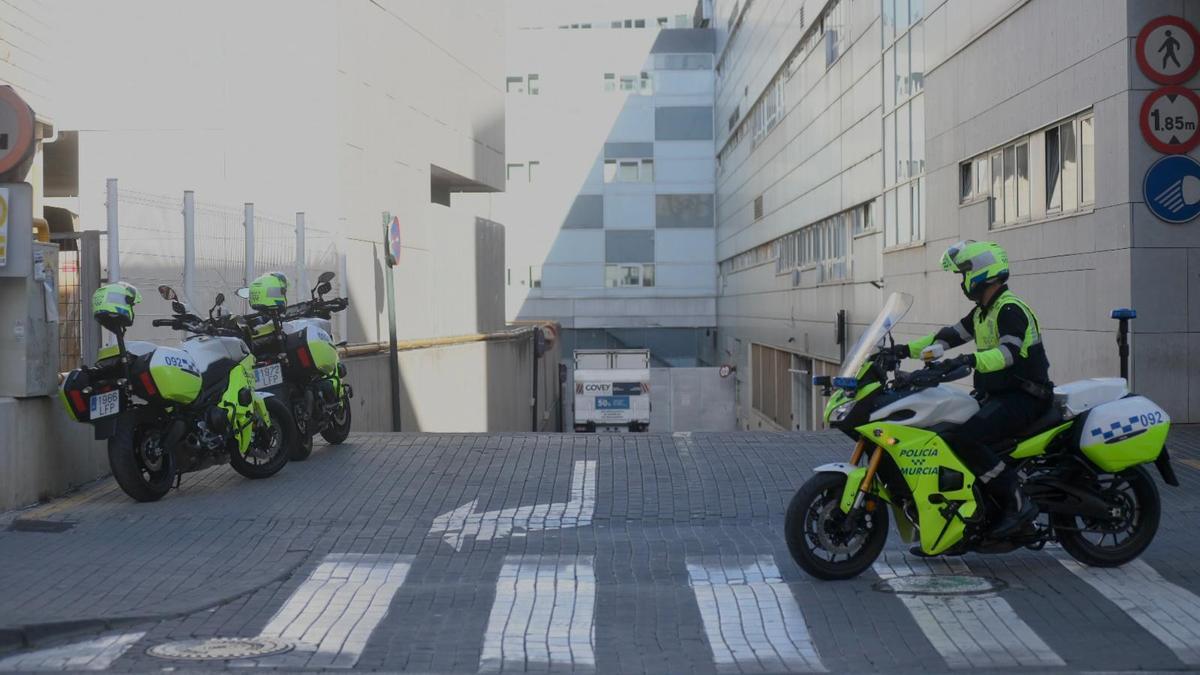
x=1166, y=50
x=1170, y=120
x=16, y=131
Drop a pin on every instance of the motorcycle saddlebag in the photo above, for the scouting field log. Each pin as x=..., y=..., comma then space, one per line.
x=1123, y=433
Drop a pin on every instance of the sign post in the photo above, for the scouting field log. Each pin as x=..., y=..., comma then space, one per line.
x=391, y=247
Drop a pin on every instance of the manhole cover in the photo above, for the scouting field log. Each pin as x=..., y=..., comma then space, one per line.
x=219, y=649
x=940, y=584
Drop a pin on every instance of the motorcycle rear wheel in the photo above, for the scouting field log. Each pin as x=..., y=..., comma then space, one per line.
x=1137, y=496
x=275, y=444
x=812, y=528
x=144, y=472
x=339, y=427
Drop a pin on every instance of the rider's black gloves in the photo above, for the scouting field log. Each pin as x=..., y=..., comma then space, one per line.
x=967, y=360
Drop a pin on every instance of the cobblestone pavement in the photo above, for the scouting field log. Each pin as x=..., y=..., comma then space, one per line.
x=648, y=553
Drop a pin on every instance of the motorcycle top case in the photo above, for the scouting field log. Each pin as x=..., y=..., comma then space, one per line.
x=1123, y=433
x=310, y=346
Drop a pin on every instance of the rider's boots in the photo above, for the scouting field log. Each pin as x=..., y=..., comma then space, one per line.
x=1019, y=510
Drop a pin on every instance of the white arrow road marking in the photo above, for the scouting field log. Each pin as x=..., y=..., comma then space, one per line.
x=487, y=525
x=97, y=654
x=332, y=614
x=969, y=631
x=1168, y=612
x=543, y=615
x=751, y=618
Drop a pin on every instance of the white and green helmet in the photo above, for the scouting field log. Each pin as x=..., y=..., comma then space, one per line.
x=979, y=263
x=269, y=291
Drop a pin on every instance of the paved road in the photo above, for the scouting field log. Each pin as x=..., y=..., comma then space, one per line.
x=479, y=553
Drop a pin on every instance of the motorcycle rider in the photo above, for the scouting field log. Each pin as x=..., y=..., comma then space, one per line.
x=1012, y=379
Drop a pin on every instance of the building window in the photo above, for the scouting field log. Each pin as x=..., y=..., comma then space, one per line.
x=639, y=23
x=514, y=170
x=758, y=207
x=662, y=22
x=904, y=126
x=628, y=83
x=683, y=21
x=533, y=166
x=1015, y=192
x=629, y=275
x=610, y=82
x=616, y=24
x=534, y=82
x=629, y=170
x=629, y=23
x=647, y=84
x=823, y=246
x=535, y=276
x=514, y=85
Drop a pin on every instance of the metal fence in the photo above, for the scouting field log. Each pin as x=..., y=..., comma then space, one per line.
x=196, y=247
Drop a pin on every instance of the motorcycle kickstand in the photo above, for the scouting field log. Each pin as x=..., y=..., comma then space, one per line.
x=178, y=479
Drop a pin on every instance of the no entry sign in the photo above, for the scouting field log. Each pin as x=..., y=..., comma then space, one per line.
x=1166, y=50
x=1170, y=120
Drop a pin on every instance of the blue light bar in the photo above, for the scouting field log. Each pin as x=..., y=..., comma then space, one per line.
x=845, y=382
x=1124, y=313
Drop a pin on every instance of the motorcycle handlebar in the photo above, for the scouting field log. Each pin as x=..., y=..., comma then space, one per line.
x=163, y=322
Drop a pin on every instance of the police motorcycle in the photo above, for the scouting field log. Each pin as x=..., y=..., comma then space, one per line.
x=1083, y=463
x=297, y=360
x=167, y=411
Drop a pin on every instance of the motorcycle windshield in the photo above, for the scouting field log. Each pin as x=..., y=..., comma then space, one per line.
x=893, y=311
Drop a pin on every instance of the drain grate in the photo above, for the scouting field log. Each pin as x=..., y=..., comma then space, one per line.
x=219, y=649
x=940, y=584
x=28, y=525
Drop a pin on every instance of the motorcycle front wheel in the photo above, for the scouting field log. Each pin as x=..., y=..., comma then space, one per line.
x=271, y=447
x=816, y=536
x=139, y=463
x=1114, y=541
x=339, y=427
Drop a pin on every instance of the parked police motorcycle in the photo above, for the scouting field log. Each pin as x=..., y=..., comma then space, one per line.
x=166, y=411
x=1083, y=463
x=297, y=360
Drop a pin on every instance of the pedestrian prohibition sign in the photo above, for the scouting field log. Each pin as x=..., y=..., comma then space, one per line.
x=1172, y=189
x=1166, y=50
x=1170, y=120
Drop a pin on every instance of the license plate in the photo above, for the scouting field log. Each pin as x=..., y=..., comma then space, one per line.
x=268, y=376
x=612, y=403
x=103, y=405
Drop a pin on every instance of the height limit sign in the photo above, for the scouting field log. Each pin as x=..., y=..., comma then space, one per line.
x=1170, y=120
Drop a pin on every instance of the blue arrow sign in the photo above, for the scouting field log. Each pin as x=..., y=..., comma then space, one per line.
x=1172, y=188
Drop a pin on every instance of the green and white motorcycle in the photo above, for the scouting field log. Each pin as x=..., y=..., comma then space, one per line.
x=167, y=411
x=296, y=359
x=1083, y=463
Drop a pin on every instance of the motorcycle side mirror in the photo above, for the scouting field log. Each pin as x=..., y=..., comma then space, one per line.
x=167, y=293
x=220, y=300
x=243, y=293
x=325, y=277
x=177, y=307
x=323, y=288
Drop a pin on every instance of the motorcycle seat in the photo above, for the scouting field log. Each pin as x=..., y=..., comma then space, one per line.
x=1050, y=419
x=217, y=371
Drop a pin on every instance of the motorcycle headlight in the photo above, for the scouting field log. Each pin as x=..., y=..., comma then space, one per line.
x=839, y=413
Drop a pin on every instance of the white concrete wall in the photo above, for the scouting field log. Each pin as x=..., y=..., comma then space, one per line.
x=42, y=453
x=335, y=109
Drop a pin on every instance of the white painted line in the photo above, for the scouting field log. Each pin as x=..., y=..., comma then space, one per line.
x=543, y=615
x=1167, y=611
x=464, y=521
x=332, y=614
x=969, y=631
x=751, y=618
x=97, y=654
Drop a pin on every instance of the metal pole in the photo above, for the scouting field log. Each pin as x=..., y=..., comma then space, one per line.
x=248, y=222
x=189, y=245
x=393, y=355
x=344, y=287
x=89, y=281
x=301, y=262
x=114, y=249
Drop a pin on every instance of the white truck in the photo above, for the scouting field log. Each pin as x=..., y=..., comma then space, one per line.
x=612, y=390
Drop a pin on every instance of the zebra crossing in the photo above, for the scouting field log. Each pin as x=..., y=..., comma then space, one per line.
x=542, y=616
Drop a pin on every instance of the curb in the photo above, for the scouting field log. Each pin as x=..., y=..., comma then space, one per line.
x=25, y=636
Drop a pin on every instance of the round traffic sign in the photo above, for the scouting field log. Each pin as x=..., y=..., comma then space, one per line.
x=1170, y=120
x=394, y=241
x=1172, y=189
x=1166, y=50
x=16, y=132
